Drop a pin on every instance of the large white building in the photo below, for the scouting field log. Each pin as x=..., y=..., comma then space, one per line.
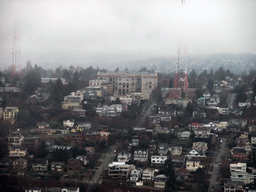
x=130, y=81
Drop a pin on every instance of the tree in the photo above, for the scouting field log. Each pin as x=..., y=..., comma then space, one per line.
x=32, y=82
x=58, y=91
x=241, y=95
x=189, y=109
x=192, y=78
x=171, y=179
x=220, y=74
x=170, y=83
x=210, y=85
x=200, y=178
x=225, y=168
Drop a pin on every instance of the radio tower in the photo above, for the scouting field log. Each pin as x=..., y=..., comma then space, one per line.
x=178, y=76
x=15, y=68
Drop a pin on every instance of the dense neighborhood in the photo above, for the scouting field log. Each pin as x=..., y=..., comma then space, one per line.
x=74, y=130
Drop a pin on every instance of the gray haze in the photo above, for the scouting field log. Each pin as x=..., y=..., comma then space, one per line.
x=98, y=32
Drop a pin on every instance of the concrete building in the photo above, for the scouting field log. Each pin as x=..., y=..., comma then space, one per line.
x=124, y=82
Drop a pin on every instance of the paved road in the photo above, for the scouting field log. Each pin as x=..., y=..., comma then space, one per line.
x=216, y=160
x=231, y=99
x=146, y=112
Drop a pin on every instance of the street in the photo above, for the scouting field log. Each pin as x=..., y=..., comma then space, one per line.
x=216, y=160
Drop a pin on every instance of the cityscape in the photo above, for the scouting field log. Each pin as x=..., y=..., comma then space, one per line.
x=128, y=96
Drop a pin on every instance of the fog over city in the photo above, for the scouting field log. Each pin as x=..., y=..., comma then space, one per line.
x=56, y=32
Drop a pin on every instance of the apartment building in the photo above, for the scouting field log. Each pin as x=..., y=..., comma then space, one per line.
x=73, y=101
x=119, y=170
x=10, y=113
x=15, y=140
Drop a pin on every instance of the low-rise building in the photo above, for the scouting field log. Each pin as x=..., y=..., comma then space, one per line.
x=193, y=164
x=119, y=170
x=160, y=180
x=15, y=140
x=158, y=160
x=135, y=175
x=10, y=113
x=140, y=155
x=18, y=151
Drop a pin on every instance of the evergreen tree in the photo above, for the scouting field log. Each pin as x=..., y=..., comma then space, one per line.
x=171, y=179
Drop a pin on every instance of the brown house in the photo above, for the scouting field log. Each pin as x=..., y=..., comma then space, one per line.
x=74, y=166
x=239, y=153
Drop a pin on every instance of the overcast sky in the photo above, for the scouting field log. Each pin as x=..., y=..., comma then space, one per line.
x=93, y=31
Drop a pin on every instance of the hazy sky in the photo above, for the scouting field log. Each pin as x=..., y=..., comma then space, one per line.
x=93, y=31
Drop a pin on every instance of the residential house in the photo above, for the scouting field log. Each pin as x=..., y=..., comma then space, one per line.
x=140, y=155
x=15, y=140
x=70, y=189
x=233, y=186
x=195, y=125
x=148, y=175
x=104, y=135
x=158, y=160
x=253, y=138
x=5, y=165
x=159, y=181
x=58, y=147
x=89, y=151
x=193, y=164
x=119, y=170
x=40, y=166
x=34, y=189
x=239, y=153
x=42, y=125
x=202, y=133
x=200, y=146
x=20, y=163
x=239, y=173
x=123, y=156
x=135, y=175
x=68, y=123
x=57, y=167
x=184, y=136
x=178, y=161
x=10, y=113
x=85, y=125
x=175, y=150
x=83, y=158
x=195, y=153
x=201, y=102
x=74, y=137
x=199, y=114
x=207, y=95
x=72, y=101
x=182, y=173
x=163, y=149
x=18, y=151
x=74, y=166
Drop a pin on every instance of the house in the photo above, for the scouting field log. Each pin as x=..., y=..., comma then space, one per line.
x=163, y=149
x=239, y=153
x=193, y=164
x=123, y=156
x=20, y=163
x=159, y=181
x=70, y=189
x=182, y=173
x=34, y=189
x=10, y=113
x=119, y=170
x=202, y=133
x=195, y=125
x=178, y=161
x=201, y=102
x=140, y=155
x=239, y=173
x=175, y=150
x=5, y=165
x=184, y=136
x=200, y=146
x=253, y=138
x=233, y=186
x=104, y=135
x=18, y=151
x=207, y=95
x=158, y=160
x=58, y=147
x=72, y=101
x=74, y=166
x=57, y=167
x=42, y=125
x=148, y=175
x=40, y=166
x=74, y=137
x=83, y=159
x=15, y=140
x=195, y=153
x=68, y=123
x=89, y=150
x=135, y=175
